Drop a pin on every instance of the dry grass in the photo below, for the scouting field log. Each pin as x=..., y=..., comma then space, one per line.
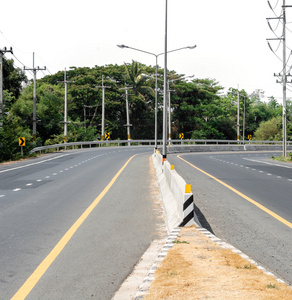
x=198, y=268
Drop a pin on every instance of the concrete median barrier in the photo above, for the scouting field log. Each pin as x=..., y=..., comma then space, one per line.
x=176, y=194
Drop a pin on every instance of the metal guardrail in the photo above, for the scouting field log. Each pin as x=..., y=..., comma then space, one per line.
x=90, y=144
x=119, y=143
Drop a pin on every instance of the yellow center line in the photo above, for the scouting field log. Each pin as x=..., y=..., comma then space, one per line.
x=45, y=264
x=271, y=213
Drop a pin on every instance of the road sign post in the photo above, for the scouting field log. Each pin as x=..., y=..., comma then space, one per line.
x=181, y=136
x=21, y=143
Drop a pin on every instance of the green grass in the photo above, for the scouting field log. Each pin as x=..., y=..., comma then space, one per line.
x=283, y=158
x=181, y=242
x=272, y=286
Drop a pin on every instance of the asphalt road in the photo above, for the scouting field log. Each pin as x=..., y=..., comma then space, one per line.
x=217, y=180
x=42, y=198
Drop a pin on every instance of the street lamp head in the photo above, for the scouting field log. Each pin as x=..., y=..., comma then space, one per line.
x=122, y=46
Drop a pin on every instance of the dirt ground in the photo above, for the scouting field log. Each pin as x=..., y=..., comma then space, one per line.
x=198, y=268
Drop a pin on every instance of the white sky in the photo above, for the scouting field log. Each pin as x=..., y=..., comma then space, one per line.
x=230, y=36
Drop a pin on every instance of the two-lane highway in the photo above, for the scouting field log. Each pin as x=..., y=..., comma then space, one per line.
x=74, y=224
x=246, y=200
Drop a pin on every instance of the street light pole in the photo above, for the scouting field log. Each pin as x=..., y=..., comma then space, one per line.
x=156, y=75
x=165, y=88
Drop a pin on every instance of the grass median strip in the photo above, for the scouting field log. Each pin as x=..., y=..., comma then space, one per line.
x=199, y=268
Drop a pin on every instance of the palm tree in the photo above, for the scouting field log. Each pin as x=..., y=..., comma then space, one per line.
x=135, y=72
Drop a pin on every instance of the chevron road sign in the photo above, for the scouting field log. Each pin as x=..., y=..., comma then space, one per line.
x=21, y=141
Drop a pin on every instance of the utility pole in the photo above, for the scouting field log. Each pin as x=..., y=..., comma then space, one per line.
x=65, y=106
x=103, y=108
x=283, y=75
x=2, y=52
x=238, y=112
x=128, y=125
x=284, y=79
x=169, y=112
x=34, y=121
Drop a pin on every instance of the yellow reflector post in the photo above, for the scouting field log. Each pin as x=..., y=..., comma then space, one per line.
x=188, y=189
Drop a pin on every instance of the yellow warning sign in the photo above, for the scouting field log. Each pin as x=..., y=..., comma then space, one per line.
x=21, y=141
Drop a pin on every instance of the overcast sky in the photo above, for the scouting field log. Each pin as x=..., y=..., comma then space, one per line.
x=230, y=36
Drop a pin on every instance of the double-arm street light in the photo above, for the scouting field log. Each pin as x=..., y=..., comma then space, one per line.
x=156, y=74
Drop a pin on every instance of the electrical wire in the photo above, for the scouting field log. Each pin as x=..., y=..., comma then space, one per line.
x=21, y=63
x=271, y=5
x=274, y=52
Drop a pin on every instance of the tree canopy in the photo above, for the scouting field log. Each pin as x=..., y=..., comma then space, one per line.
x=199, y=108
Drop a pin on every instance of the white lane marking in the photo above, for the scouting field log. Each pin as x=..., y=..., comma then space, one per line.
x=39, y=180
x=37, y=163
x=16, y=190
x=28, y=184
x=265, y=162
x=54, y=174
x=1, y=196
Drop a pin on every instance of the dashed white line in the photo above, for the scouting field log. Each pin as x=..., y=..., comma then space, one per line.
x=16, y=190
x=1, y=196
x=28, y=184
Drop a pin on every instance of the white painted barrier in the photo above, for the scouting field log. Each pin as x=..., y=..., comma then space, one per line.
x=178, y=203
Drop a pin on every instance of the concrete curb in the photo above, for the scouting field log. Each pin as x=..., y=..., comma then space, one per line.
x=225, y=245
x=145, y=286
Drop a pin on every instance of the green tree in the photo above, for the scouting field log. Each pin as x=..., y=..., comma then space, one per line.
x=197, y=111
x=269, y=130
x=13, y=79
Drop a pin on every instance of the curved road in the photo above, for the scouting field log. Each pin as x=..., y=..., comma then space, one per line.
x=246, y=200
x=63, y=214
